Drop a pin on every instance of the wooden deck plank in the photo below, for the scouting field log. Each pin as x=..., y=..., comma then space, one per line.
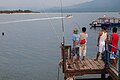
x=77, y=65
x=93, y=64
x=81, y=64
x=88, y=63
x=101, y=62
x=99, y=65
x=85, y=64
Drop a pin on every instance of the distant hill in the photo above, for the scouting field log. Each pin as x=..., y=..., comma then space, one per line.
x=93, y=6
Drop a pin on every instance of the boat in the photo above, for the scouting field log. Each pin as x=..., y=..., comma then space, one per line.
x=106, y=22
x=68, y=16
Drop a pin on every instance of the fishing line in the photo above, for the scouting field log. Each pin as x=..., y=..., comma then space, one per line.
x=58, y=72
x=57, y=37
x=78, y=26
x=53, y=28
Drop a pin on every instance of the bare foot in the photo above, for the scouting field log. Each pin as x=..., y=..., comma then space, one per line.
x=96, y=59
x=83, y=59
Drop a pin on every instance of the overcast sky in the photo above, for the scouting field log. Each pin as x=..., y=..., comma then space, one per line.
x=7, y=4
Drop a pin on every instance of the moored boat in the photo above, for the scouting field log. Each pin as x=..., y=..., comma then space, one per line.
x=106, y=21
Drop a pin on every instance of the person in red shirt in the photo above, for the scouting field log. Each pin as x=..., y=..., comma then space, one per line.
x=114, y=38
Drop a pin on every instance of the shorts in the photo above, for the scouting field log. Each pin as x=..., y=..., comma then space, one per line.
x=76, y=52
x=82, y=50
x=101, y=48
x=113, y=55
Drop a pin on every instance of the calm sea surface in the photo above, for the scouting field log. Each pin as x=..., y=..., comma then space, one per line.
x=30, y=50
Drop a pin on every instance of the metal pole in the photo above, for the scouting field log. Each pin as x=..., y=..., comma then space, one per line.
x=106, y=55
x=119, y=66
x=62, y=22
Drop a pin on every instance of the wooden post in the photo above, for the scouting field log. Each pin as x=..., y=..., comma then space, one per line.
x=63, y=56
x=103, y=76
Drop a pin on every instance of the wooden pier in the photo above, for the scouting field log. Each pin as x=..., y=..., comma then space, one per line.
x=87, y=66
x=72, y=68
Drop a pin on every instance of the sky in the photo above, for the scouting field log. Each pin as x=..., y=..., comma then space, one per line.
x=19, y=4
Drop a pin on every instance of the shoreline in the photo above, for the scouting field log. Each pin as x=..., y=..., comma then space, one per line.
x=16, y=11
x=20, y=13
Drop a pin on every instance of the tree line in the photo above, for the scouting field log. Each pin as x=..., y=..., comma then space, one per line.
x=16, y=11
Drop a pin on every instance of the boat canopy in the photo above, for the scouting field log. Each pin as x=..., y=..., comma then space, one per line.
x=108, y=20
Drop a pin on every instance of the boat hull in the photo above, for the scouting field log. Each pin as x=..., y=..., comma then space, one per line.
x=105, y=25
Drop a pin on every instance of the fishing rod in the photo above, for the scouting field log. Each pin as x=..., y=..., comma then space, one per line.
x=78, y=26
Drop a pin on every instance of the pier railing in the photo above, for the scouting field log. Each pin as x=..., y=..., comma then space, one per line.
x=108, y=60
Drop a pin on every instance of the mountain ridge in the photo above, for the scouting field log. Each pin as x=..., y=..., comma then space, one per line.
x=93, y=6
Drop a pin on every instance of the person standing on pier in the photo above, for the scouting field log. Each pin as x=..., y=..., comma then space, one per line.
x=83, y=41
x=102, y=38
x=114, y=38
x=75, y=40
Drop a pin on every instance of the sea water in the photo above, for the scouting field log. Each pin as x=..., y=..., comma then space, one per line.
x=31, y=50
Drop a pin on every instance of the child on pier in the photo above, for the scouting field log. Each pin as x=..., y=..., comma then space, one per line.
x=83, y=41
x=75, y=47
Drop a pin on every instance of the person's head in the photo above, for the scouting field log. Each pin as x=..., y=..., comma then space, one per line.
x=83, y=29
x=103, y=28
x=75, y=31
x=114, y=30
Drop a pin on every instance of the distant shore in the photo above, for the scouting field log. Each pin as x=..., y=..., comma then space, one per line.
x=16, y=11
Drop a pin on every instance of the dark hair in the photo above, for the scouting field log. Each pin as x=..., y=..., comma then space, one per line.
x=114, y=29
x=83, y=29
x=104, y=28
